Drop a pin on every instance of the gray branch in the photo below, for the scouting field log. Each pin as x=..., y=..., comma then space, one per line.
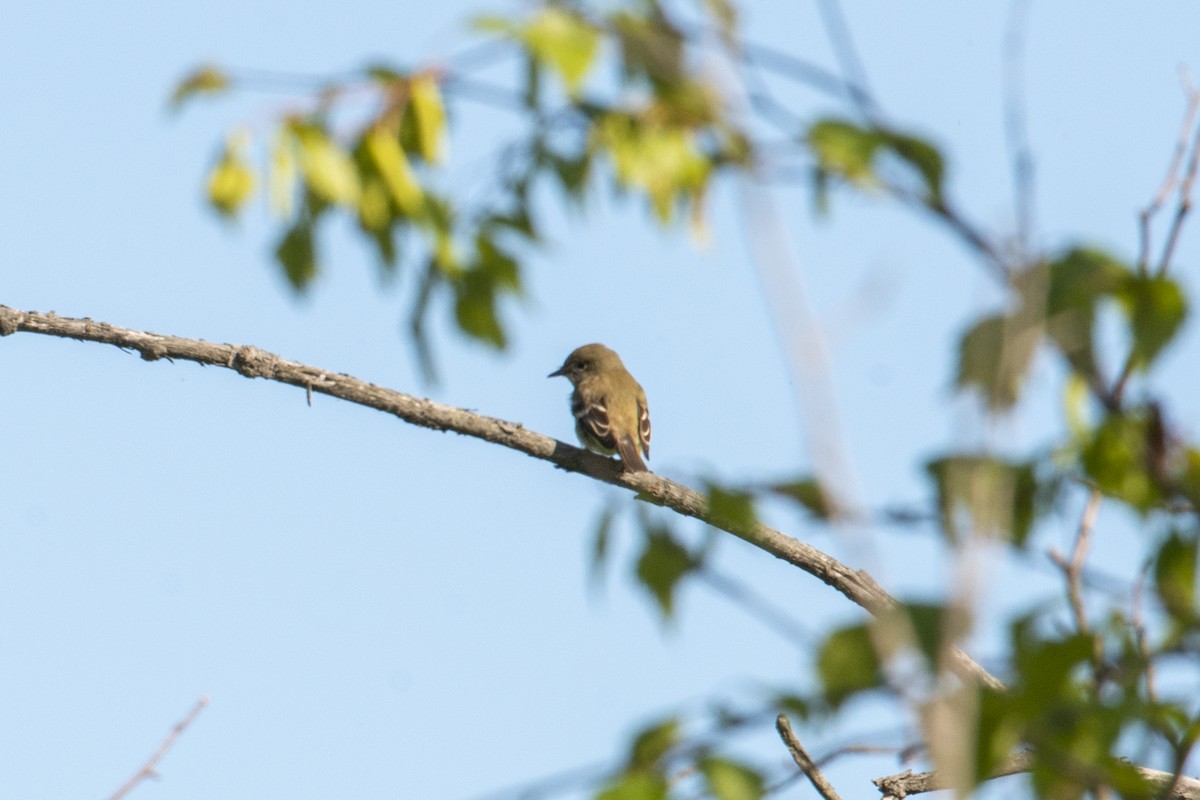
x=857, y=586
x=899, y=786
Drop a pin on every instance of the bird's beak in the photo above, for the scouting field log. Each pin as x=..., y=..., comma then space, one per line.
x=556, y=372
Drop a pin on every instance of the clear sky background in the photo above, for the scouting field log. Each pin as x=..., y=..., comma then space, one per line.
x=382, y=611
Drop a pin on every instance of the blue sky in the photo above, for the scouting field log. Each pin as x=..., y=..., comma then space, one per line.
x=381, y=611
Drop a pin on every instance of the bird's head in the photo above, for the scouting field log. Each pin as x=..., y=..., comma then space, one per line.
x=584, y=361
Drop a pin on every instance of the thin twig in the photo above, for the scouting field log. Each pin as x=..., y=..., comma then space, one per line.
x=846, y=53
x=1172, y=177
x=957, y=221
x=908, y=782
x=1015, y=127
x=856, y=585
x=149, y=769
x=1073, y=571
x=1139, y=630
x=1183, y=207
x=806, y=765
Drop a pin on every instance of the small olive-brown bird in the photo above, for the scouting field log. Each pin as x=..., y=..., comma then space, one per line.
x=611, y=415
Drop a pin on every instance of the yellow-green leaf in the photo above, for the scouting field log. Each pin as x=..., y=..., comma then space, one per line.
x=205, y=80
x=427, y=105
x=393, y=167
x=231, y=181
x=328, y=169
x=1117, y=459
x=729, y=780
x=846, y=150
x=566, y=42
x=282, y=174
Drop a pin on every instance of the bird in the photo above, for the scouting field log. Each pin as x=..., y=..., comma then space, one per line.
x=611, y=415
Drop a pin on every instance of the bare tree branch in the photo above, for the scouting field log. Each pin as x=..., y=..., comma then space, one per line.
x=1072, y=570
x=251, y=362
x=1172, y=178
x=1015, y=127
x=149, y=769
x=806, y=764
x=899, y=786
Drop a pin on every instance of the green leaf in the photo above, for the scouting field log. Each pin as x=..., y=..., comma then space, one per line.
x=1156, y=308
x=664, y=162
x=994, y=357
x=921, y=156
x=998, y=732
x=929, y=625
x=475, y=309
x=491, y=23
x=566, y=42
x=426, y=98
x=231, y=181
x=573, y=173
x=1067, y=292
x=982, y=495
x=845, y=150
x=652, y=743
x=730, y=508
x=1175, y=576
x=297, y=254
x=282, y=174
x=386, y=74
x=663, y=564
x=847, y=664
x=328, y=170
x=792, y=704
x=1189, y=479
x=1117, y=459
x=600, y=540
x=636, y=786
x=729, y=780
x=501, y=269
x=1046, y=667
x=389, y=160
x=650, y=47
x=204, y=80
x=809, y=493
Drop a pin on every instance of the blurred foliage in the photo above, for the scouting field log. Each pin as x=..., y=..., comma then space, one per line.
x=617, y=95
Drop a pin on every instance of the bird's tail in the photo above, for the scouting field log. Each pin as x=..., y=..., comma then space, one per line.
x=630, y=455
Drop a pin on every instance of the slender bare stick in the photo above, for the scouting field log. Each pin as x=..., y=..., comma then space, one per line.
x=806, y=764
x=1183, y=206
x=149, y=769
x=856, y=585
x=1172, y=178
x=1139, y=630
x=1015, y=127
x=1073, y=571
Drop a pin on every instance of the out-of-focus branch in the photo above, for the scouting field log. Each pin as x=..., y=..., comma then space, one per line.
x=149, y=769
x=1172, y=178
x=857, y=586
x=1015, y=128
x=806, y=764
x=901, y=785
x=1072, y=570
